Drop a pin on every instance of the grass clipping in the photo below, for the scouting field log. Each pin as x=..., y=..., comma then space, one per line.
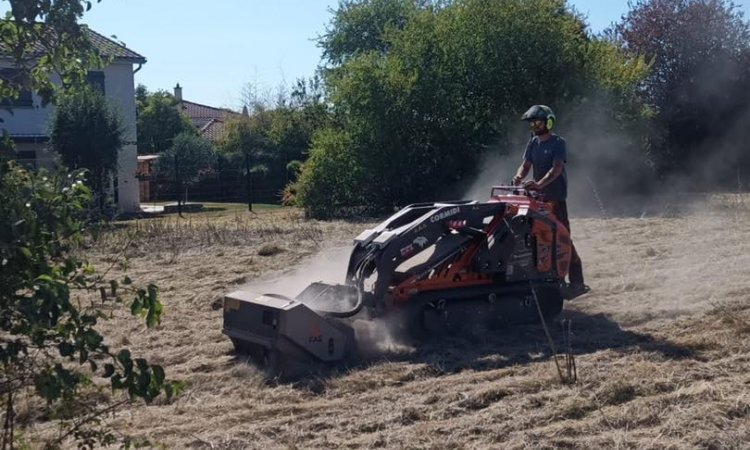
x=660, y=345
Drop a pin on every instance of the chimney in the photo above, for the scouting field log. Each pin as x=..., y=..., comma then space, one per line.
x=178, y=92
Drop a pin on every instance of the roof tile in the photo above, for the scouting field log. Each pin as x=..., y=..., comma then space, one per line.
x=208, y=120
x=103, y=45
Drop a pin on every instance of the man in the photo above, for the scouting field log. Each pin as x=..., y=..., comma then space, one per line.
x=546, y=153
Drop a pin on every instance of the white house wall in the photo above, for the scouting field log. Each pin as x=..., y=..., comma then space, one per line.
x=120, y=91
x=119, y=88
x=26, y=120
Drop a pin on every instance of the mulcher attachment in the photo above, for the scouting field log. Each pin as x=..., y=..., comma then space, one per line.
x=282, y=334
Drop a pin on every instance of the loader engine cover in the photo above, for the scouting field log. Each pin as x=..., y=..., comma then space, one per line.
x=271, y=325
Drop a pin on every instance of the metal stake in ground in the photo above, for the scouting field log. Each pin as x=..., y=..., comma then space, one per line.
x=570, y=363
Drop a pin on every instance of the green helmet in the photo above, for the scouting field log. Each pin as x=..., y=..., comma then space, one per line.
x=540, y=112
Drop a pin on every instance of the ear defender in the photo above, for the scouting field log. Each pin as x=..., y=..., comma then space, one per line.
x=550, y=123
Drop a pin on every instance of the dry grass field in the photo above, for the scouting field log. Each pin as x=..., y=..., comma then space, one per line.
x=661, y=344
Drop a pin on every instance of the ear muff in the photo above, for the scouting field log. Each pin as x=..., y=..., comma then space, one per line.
x=550, y=116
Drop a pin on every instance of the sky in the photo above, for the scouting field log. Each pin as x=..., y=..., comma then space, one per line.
x=213, y=49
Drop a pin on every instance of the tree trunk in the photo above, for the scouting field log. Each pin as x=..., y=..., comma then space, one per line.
x=249, y=183
x=178, y=188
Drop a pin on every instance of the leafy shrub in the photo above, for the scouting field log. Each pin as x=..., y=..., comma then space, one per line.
x=333, y=177
x=51, y=300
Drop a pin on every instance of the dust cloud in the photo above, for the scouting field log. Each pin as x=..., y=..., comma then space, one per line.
x=497, y=169
x=328, y=266
x=607, y=167
x=374, y=337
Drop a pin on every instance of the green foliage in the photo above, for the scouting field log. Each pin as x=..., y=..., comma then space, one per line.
x=333, y=178
x=617, y=72
x=360, y=27
x=6, y=144
x=249, y=137
x=274, y=140
x=45, y=38
x=50, y=347
x=282, y=133
x=141, y=98
x=700, y=53
x=186, y=160
x=294, y=168
x=159, y=121
x=51, y=301
x=87, y=132
x=423, y=89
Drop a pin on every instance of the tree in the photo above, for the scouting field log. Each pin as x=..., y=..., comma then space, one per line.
x=50, y=347
x=185, y=161
x=292, y=126
x=141, y=98
x=359, y=27
x=699, y=81
x=247, y=144
x=264, y=147
x=45, y=38
x=333, y=179
x=433, y=85
x=159, y=121
x=87, y=132
x=50, y=305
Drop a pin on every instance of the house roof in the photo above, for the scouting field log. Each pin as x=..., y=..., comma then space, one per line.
x=108, y=47
x=28, y=137
x=198, y=111
x=207, y=119
x=103, y=45
x=213, y=130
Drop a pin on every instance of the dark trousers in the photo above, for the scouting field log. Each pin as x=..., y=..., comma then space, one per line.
x=575, y=272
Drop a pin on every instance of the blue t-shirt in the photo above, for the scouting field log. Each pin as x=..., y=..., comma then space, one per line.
x=542, y=156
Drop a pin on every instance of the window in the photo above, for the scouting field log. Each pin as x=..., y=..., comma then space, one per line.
x=15, y=78
x=96, y=81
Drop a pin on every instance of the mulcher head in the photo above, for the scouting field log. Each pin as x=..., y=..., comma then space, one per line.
x=281, y=333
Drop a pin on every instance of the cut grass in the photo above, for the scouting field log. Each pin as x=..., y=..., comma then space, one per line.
x=661, y=346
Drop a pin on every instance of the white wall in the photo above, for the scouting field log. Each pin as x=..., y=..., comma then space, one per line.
x=26, y=120
x=120, y=91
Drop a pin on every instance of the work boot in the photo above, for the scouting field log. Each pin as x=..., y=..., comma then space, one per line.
x=573, y=290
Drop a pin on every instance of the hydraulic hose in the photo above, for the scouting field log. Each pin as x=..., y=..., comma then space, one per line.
x=361, y=274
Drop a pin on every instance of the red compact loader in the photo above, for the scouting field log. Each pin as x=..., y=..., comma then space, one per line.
x=437, y=267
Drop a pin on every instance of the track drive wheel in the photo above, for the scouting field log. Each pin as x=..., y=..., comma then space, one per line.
x=427, y=320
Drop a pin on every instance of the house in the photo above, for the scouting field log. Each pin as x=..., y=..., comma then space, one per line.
x=208, y=120
x=28, y=122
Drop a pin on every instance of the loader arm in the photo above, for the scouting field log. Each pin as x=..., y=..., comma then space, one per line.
x=381, y=250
